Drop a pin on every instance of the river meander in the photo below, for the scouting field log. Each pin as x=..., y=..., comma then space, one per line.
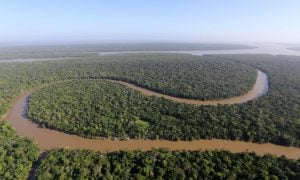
x=48, y=139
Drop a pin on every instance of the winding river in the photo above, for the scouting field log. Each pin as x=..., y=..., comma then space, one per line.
x=48, y=139
x=260, y=87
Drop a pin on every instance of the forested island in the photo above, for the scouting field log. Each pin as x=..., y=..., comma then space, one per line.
x=97, y=108
x=272, y=118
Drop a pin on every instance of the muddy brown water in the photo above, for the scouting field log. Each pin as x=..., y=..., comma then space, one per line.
x=260, y=88
x=48, y=139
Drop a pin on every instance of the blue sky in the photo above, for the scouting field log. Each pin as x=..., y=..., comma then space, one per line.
x=149, y=20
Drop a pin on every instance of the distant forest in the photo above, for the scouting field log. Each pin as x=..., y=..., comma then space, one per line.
x=93, y=49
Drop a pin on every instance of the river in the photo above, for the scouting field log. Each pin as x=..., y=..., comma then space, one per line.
x=48, y=139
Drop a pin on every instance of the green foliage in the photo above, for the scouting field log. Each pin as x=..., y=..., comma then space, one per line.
x=186, y=76
x=16, y=154
x=89, y=108
x=163, y=164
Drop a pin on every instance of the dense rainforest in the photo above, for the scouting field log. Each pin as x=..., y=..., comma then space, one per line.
x=16, y=154
x=186, y=76
x=93, y=108
x=272, y=118
x=162, y=164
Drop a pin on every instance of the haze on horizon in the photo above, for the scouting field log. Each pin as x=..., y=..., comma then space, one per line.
x=79, y=21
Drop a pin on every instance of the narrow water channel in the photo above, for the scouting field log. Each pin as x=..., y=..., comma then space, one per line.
x=260, y=87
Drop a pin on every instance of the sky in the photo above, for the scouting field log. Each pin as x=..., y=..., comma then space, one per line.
x=76, y=21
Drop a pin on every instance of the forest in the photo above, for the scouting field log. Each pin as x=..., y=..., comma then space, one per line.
x=186, y=76
x=163, y=164
x=90, y=108
x=16, y=154
x=272, y=118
